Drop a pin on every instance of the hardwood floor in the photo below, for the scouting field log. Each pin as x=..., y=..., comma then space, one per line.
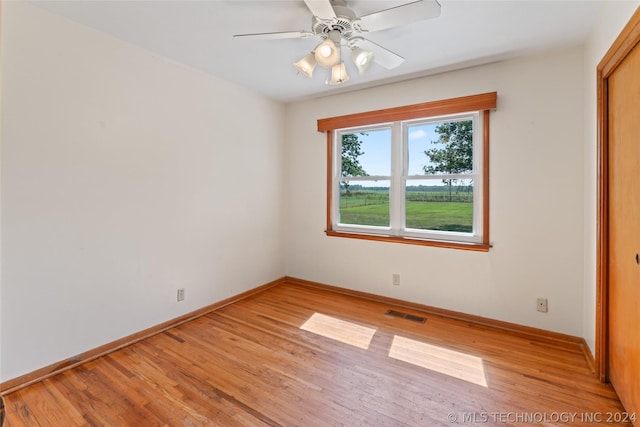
x=251, y=364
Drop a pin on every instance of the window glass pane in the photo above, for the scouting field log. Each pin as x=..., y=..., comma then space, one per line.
x=440, y=148
x=364, y=203
x=443, y=205
x=367, y=153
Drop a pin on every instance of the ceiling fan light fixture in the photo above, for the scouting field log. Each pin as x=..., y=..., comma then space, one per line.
x=362, y=59
x=337, y=26
x=307, y=64
x=327, y=54
x=338, y=74
x=325, y=50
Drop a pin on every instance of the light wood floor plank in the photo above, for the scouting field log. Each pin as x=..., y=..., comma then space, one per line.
x=251, y=364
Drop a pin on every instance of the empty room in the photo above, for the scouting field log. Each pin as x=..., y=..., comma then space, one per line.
x=319, y=213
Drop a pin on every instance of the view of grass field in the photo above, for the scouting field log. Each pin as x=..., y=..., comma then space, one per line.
x=425, y=210
x=437, y=171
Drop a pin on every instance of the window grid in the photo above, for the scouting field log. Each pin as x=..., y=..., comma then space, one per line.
x=399, y=179
x=479, y=104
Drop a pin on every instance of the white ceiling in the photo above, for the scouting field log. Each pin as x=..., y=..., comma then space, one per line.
x=199, y=34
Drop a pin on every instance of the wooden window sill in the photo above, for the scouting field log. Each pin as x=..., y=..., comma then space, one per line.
x=478, y=247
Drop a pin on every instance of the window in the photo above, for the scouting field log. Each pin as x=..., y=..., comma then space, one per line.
x=415, y=174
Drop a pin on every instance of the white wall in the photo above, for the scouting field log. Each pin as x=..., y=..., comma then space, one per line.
x=536, y=199
x=124, y=177
x=612, y=19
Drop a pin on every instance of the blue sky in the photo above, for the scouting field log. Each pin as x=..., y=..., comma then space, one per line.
x=377, y=148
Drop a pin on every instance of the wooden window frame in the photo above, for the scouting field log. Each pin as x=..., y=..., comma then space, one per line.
x=481, y=103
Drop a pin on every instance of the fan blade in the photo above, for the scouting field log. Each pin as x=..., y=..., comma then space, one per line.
x=272, y=36
x=321, y=8
x=382, y=56
x=400, y=15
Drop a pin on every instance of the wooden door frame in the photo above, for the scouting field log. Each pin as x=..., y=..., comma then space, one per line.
x=626, y=41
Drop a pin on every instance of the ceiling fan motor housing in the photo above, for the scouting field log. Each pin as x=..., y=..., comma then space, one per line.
x=343, y=23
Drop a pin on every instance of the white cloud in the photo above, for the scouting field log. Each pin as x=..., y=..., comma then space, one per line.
x=418, y=134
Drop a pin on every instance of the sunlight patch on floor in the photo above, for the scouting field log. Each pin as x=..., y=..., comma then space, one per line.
x=339, y=330
x=449, y=362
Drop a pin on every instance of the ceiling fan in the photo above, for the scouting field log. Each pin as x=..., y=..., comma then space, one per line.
x=337, y=26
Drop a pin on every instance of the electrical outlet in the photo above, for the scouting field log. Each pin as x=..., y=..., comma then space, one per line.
x=396, y=279
x=180, y=294
x=542, y=305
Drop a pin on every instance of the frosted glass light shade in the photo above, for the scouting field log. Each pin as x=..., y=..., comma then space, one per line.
x=362, y=59
x=327, y=54
x=306, y=65
x=338, y=74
